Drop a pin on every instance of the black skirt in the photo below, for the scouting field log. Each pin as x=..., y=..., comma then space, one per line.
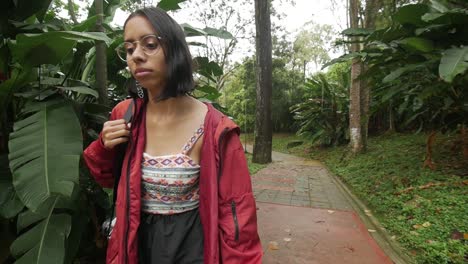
x=171, y=239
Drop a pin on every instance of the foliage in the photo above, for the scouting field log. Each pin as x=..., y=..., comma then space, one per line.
x=418, y=65
x=427, y=221
x=239, y=94
x=48, y=114
x=312, y=44
x=323, y=115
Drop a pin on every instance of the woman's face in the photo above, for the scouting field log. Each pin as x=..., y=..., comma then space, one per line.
x=149, y=70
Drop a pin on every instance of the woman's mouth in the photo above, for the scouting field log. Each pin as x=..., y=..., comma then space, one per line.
x=141, y=72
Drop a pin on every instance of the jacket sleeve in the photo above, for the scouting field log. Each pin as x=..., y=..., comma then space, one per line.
x=239, y=240
x=100, y=160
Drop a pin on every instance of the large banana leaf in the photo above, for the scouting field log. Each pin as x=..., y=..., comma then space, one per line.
x=44, y=237
x=49, y=47
x=453, y=62
x=10, y=205
x=44, y=154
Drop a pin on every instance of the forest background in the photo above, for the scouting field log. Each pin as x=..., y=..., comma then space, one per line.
x=389, y=116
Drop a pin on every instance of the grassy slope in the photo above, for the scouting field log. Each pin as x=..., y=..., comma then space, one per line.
x=423, y=221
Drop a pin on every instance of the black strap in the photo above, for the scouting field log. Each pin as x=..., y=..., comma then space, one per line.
x=120, y=154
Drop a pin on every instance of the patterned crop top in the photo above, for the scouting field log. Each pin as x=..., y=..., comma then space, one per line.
x=170, y=183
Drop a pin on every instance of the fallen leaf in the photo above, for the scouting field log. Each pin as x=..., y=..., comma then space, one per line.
x=393, y=237
x=350, y=248
x=457, y=235
x=417, y=226
x=330, y=211
x=367, y=211
x=273, y=245
x=371, y=230
x=426, y=224
x=414, y=233
x=287, y=239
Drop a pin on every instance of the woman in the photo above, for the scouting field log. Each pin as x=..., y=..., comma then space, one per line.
x=185, y=194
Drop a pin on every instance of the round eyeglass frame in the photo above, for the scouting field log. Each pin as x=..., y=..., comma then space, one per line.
x=120, y=48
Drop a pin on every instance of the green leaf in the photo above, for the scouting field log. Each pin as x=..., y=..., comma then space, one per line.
x=454, y=62
x=86, y=25
x=220, y=33
x=400, y=71
x=208, y=68
x=198, y=44
x=19, y=77
x=49, y=47
x=44, y=154
x=26, y=8
x=10, y=205
x=417, y=44
x=191, y=31
x=439, y=6
x=411, y=14
x=357, y=32
x=169, y=5
x=45, y=242
x=455, y=16
x=81, y=90
x=208, y=90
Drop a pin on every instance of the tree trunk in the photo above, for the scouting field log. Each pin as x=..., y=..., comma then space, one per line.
x=71, y=11
x=371, y=13
x=263, y=123
x=101, y=58
x=355, y=89
x=391, y=122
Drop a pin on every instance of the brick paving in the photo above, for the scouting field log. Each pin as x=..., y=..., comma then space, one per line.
x=304, y=217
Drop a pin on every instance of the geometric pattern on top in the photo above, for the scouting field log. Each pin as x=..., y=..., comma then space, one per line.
x=170, y=183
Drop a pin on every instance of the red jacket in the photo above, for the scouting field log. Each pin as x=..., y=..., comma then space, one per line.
x=227, y=206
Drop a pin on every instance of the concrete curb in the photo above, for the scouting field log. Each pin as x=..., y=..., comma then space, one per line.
x=393, y=250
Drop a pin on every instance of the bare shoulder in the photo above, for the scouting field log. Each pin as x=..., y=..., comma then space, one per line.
x=199, y=107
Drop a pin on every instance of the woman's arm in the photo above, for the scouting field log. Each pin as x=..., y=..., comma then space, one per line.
x=99, y=155
x=239, y=240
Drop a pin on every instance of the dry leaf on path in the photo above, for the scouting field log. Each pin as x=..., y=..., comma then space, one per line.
x=287, y=239
x=273, y=245
x=330, y=211
x=371, y=230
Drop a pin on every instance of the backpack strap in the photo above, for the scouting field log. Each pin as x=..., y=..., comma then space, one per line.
x=120, y=153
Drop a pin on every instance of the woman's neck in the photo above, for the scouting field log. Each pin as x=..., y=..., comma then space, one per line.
x=168, y=108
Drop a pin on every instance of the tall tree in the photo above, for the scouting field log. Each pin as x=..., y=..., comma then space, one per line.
x=263, y=123
x=101, y=57
x=370, y=18
x=355, y=89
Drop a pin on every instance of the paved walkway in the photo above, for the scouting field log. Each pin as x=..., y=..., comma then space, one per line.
x=304, y=217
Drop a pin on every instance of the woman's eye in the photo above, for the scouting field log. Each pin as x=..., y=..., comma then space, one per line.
x=151, y=46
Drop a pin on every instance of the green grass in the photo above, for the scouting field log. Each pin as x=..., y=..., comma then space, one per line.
x=253, y=167
x=424, y=221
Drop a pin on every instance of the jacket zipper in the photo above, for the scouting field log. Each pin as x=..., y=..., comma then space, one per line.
x=220, y=169
x=127, y=196
x=236, y=223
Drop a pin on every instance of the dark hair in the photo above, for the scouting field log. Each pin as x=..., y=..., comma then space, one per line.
x=178, y=58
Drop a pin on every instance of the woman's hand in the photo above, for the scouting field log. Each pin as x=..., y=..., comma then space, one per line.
x=115, y=132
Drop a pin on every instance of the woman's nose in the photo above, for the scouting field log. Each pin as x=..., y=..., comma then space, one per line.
x=138, y=54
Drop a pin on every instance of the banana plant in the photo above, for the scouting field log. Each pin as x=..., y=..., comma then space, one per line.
x=420, y=64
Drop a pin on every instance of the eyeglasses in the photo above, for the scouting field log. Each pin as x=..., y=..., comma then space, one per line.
x=150, y=45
